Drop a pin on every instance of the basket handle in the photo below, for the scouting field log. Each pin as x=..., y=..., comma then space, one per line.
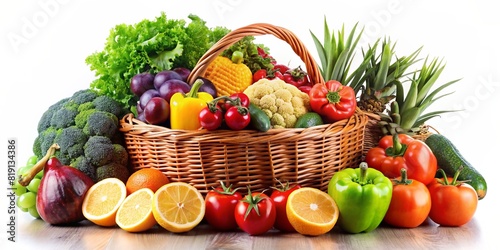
x=255, y=30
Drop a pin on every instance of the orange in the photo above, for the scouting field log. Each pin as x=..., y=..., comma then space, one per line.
x=151, y=178
x=102, y=201
x=178, y=207
x=311, y=211
x=135, y=213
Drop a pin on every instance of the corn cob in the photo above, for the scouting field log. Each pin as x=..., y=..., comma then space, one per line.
x=229, y=76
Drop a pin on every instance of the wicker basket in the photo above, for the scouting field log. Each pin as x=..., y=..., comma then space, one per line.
x=308, y=156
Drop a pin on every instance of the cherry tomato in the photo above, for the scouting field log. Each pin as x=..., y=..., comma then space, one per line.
x=211, y=118
x=259, y=74
x=278, y=75
x=410, y=203
x=282, y=68
x=453, y=203
x=255, y=213
x=237, y=117
x=219, y=207
x=243, y=99
x=305, y=88
x=288, y=78
x=280, y=197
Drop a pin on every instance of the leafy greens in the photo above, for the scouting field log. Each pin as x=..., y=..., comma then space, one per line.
x=149, y=46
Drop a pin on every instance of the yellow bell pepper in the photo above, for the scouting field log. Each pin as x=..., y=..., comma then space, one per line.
x=184, y=108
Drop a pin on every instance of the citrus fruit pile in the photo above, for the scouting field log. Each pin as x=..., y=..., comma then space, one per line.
x=145, y=200
x=148, y=199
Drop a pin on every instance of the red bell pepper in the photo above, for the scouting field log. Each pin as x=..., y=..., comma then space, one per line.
x=332, y=100
x=402, y=151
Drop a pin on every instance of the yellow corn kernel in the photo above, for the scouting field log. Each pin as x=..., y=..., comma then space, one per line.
x=228, y=77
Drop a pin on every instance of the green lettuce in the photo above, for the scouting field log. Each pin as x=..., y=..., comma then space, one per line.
x=148, y=46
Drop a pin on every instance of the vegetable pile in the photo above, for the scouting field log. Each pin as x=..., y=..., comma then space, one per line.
x=143, y=69
x=149, y=46
x=85, y=126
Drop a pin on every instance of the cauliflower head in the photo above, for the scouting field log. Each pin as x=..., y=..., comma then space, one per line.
x=283, y=103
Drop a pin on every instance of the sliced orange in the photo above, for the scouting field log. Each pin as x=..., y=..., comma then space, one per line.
x=102, y=201
x=178, y=207
x=311, y=211
x=136, y=212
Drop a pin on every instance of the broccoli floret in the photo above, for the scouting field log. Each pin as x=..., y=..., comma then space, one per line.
x=83, y=96
x=85, y=106
x=83, y=164
x=82, y=118
x=64, y=117
x=45, y=140
x=99, y=150
x=113, y=170
x=44, y=122
x=108, y=104
x=86, y=128
x=120, y=155
x=71, y=141
x=101, y=123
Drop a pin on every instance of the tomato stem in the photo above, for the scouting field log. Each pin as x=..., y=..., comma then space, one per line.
x=404, y=178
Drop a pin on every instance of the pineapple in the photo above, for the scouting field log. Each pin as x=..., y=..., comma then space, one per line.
x=382, y=76
x=375, y=77
x=406, y=114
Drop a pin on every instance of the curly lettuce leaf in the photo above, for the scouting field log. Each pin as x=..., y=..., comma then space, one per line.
x=148, y=46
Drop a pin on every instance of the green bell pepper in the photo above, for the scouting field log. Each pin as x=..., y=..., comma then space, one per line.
x=362, y=195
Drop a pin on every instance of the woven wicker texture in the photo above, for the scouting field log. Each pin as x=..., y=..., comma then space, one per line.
x=202, y=158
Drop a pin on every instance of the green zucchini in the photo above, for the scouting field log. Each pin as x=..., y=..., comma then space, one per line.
x=258, y=119
x=450, y=160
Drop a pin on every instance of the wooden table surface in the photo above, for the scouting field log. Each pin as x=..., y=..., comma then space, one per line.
x=480, y=233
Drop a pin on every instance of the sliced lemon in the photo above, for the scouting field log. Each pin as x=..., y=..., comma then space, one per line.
x=136, y=212
x=178, y=207
x=102, y=201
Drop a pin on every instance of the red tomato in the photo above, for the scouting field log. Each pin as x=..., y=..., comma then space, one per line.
x=410, y=203
x=453, y=202
x=280, y=197
x=255, y=213
x=278, y=75
x=305, y=88
x=243, y=98
x=210, y=119
x=237, y=117
x=282, y=68
x=219, y=207
x=259, y=74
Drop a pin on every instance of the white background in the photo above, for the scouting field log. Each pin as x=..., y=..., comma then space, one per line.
x=44, y=44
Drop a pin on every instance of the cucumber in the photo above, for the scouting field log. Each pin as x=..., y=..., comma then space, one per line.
x=450, y=160
x=258, y=119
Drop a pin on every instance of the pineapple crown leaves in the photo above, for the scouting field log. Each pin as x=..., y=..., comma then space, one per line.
x=382, y=74
x=419, y=97
x=336, y=53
